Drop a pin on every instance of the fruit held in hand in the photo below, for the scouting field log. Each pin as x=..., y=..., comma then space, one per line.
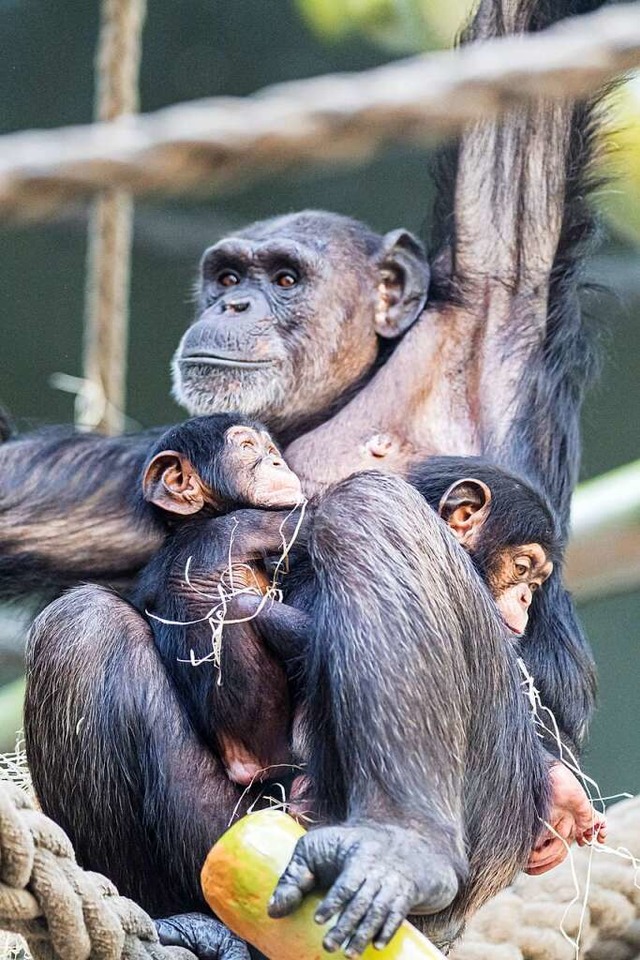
x=241, y=873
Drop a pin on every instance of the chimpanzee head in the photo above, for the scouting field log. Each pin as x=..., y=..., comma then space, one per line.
x=505, y=525
x=214, y=463
x=291, y=312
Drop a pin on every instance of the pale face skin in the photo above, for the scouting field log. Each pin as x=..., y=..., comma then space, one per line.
x=522, y=571
x=264, y=479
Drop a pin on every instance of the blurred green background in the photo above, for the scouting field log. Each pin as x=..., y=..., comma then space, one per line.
x=199, y=48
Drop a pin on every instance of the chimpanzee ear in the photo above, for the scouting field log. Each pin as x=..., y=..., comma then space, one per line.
x=464, y=507
x=171, y=483
x=403, y=283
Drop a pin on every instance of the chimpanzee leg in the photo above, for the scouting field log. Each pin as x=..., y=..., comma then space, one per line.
x=422, y=744
x=113, y=757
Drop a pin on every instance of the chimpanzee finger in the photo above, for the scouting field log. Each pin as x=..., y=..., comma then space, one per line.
x=297, y=880
x=351, y=916
x=391, y=925
x=386, y=906
x=339, y=895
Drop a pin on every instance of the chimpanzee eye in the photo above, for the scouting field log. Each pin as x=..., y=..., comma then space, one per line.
x=534, y=586
x=522, y=566
x=285, y=278
x=228, y=278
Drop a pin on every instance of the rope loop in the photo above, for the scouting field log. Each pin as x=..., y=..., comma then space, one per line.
x=62, y=911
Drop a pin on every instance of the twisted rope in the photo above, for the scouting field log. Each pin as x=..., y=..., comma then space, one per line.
x=101, y=403
x=335, y=118
x=62, y=911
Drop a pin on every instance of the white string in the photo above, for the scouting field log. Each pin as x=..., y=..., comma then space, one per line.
x=568, y=758
x=226, y=590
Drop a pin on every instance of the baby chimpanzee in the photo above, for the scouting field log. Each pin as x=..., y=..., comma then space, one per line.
x=195, y=473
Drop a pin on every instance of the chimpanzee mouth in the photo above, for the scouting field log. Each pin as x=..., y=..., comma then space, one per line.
x=211, y=360
x=516, y=633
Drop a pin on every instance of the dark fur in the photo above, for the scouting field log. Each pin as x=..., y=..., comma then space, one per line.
x=247, y=697
x=448, y=694
x=67, y=512
x=435, y=649
x=383, y=586
x=6, y=427
x=553, y=370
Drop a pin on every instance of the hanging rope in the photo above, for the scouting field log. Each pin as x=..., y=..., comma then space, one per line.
x=62, y=911
x=337, y=119
x=101, y=401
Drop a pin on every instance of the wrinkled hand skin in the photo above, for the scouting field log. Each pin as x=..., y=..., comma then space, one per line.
x=374, y=874
x=203, y=935
x=571, y=818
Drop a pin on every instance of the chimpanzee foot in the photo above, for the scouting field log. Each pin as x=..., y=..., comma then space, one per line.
x=375, y=875
x=203, y=935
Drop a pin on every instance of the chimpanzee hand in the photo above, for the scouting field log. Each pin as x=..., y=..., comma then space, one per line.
x=254, y=534
x=571, y=817
x=205, y=936
x=375, y=875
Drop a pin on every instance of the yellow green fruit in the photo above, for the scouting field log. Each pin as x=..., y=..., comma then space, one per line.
x=241, y=873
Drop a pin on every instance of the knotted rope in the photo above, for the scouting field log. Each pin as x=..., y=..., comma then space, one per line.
x=61, y=910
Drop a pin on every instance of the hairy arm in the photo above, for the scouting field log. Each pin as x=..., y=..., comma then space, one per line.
x=67, y=512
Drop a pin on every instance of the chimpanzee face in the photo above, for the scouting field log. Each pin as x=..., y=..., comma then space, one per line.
x=515, y=576
x=239, y=464
x=258, y=475
x=289, y=315
x=513, y=572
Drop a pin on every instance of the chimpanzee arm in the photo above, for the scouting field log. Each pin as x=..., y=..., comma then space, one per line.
x=113, y=758
x=66, y=510
x=285, y=629
x=498, y=364
x=423, y=752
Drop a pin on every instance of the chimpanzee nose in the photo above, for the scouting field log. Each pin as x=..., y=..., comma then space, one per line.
x=236, y=306
x=525, y=596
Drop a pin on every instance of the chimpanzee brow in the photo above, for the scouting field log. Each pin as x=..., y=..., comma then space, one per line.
x=240, y=254
x=233, y=254
x=282, y=255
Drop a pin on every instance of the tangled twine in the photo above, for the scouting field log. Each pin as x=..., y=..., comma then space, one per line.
x=61, y=910
x=526, y=921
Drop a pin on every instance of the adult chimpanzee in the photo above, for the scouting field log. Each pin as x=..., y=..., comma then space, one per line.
x=510, y=240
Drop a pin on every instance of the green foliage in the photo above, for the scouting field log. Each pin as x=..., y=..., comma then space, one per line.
x=620, y=198
x=403, y=26
x=400, y=25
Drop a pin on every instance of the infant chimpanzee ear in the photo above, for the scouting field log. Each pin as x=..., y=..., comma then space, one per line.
x=403, y=285
x=464, y=507
x=171, y=483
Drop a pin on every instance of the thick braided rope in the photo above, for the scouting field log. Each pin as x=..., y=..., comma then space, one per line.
x=62, y=911
x=101, y=404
